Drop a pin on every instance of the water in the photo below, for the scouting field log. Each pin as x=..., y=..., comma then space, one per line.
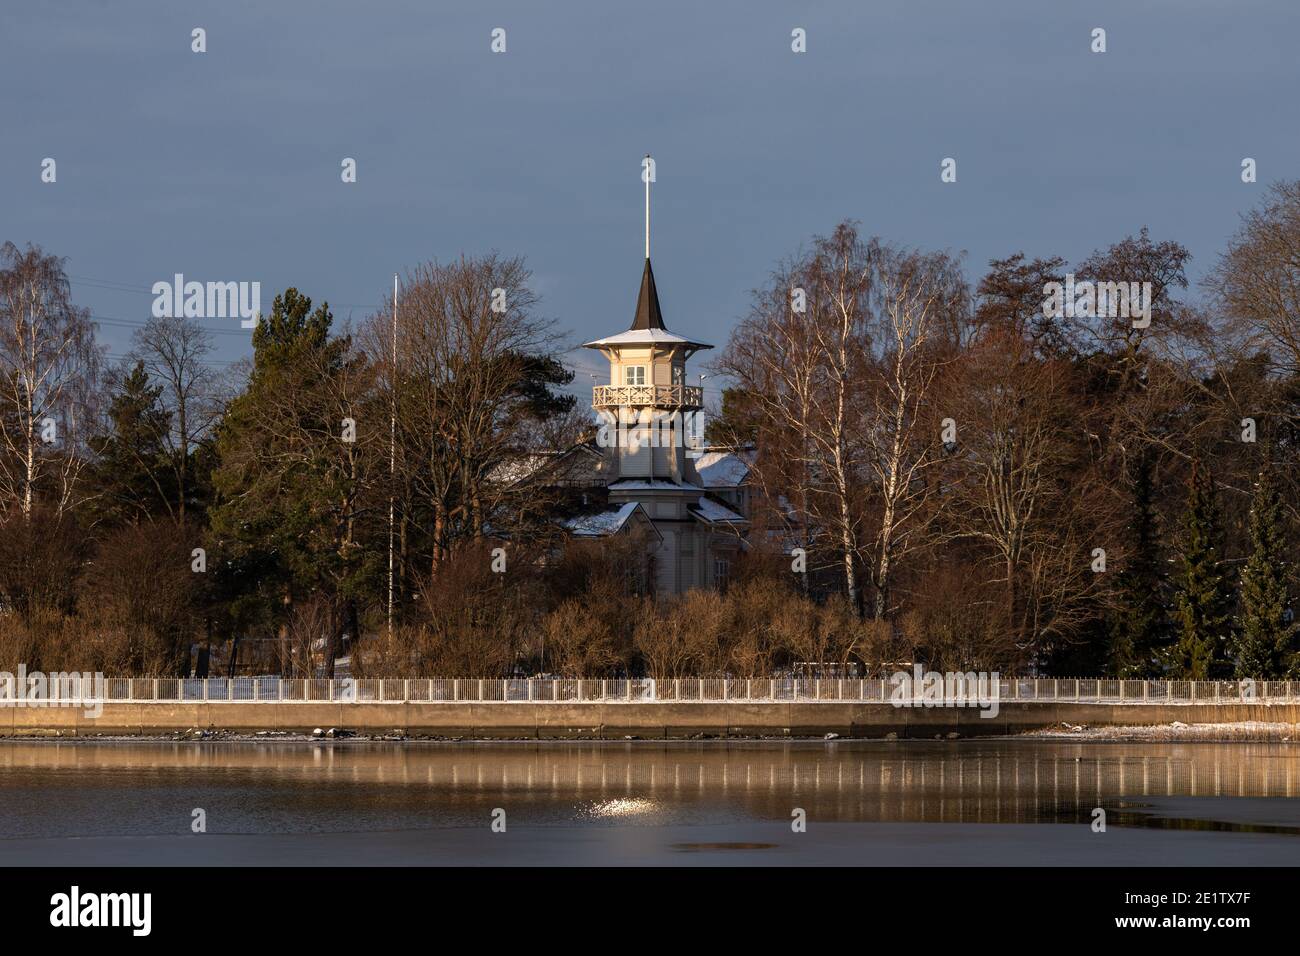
x=71, y=802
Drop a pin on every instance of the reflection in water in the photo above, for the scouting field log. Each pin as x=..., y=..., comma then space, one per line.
x=85, y=788
x=618, y=808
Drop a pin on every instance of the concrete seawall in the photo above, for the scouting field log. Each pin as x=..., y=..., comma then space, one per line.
x=617, y=720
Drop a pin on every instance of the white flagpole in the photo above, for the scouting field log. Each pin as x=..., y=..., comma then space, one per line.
x=647, y=207
x=392, y=461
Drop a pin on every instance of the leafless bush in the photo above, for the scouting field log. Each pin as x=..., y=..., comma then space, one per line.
x=142, y=584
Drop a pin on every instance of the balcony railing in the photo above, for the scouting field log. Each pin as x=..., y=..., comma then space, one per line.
x=659, y=396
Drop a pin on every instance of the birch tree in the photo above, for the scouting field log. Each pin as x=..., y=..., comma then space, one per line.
x=913, y=295
x=48, y=368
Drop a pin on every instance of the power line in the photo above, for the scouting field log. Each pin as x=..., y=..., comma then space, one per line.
x=116, y=357
x=131, y=323
x=112, y=285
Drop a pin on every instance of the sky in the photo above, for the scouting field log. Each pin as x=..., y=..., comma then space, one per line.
x=226, y=165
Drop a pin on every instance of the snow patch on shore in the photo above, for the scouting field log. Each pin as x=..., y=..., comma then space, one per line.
x=1278, y=732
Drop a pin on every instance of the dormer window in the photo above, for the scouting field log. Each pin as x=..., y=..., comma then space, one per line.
x=634, y=375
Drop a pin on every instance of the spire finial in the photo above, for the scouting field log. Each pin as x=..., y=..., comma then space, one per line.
x=647, y=174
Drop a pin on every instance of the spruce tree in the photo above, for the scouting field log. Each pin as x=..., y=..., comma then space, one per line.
x=1140, y=628
x=1265, y=635
x=1204, y=605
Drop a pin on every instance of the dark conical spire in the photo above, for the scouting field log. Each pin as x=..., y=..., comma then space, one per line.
x=648, y=315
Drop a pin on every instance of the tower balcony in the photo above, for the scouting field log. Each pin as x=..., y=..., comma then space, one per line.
x=655, y=396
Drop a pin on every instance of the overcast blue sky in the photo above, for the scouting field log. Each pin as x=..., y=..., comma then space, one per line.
x=225, y=165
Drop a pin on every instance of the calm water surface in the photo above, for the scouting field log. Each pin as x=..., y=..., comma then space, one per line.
x=91, y=789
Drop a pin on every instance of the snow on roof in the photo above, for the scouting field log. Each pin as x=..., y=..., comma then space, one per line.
x=525, y=466
x=714, y=512
x=650, y=484
x=644, y=337
x=721, y=469
x=601, y=523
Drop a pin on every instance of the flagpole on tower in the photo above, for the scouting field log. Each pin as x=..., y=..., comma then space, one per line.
x=647, y=205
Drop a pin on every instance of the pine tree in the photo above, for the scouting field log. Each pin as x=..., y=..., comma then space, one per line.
x=288, y=487
x=1265, y=642
x=1140, y=628
x=130, y=475
x=1204, y=599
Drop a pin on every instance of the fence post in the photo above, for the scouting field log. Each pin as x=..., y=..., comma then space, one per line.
x=1217, y=687
x=480, y=689
x=604, y=688
x=629, y=688
x=1193, y=683
x=580, y=689
x=155, y=689
x=749, y=693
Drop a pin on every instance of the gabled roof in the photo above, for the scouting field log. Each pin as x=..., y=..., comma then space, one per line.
x=578, y=464
x=714, y=512
x=608, y=521
x=722, y=468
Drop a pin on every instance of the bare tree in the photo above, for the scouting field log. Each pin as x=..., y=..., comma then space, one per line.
x=48, y=368
x=840, y=282
x=470, y=353
x=1257, y=280
x=914, y=294
x=799, y=359
x=1019, y=485
x=775, y=358
x=174, y=353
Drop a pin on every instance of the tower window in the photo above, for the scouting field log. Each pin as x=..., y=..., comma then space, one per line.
x=721, y=573
x=634, y=375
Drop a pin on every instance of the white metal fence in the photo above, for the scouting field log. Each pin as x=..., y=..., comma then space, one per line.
x=440, y=690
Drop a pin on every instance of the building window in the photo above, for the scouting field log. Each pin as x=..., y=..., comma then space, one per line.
x=721, y=573
x=634, y=375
